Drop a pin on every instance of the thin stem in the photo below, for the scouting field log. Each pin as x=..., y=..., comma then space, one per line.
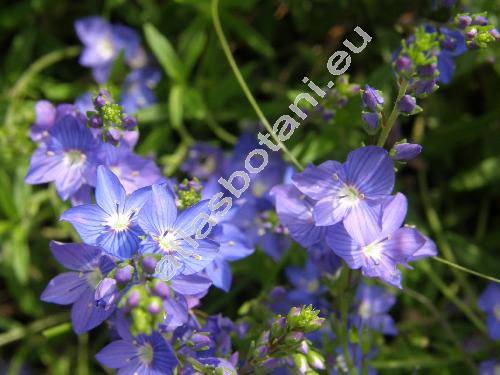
x=437, y=228
x=344, y=306
x=472, y=272
x=243, y=84
x=387, y=126
x=218, y=130
x=39, y=65
x=447, y=328
x=21, y=332
x=448, y=293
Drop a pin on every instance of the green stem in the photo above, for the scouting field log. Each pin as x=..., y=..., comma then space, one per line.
x=472, y=272
x=387, y=125
x=218, y=130
x=437, y=228
x=21, y=332
x=243, y=84
x=344, y=306
x=447, y=328
x=39, y=65
x=450, y=295
x=83, y=355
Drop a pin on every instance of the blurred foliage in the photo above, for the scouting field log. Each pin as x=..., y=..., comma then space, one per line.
x=276, y=43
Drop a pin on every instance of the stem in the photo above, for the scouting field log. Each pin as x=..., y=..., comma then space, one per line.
x=39, y=65
x=344, y=306
x=448, y=293
x=218, y=130
x=437, y=228
x=21, y=332
x=243, y=84
x=447, y=328
x=472, y=272
x=387, y=126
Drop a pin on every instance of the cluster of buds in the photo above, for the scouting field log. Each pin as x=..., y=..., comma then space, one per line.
x=285, y=343
x=373, y=102
x=109, y=117
x=477, y=29
x=188, y=193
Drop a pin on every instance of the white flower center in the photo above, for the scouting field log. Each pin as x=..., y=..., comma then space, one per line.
x=373, y=251
x=118, y=222
x=350, y=196
x=105, y=48
x=168, y=242
x=364, y=310
x=74, y=157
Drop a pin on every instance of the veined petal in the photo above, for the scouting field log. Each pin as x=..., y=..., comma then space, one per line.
x=190, y=284
x=363, y=223
x=344, y=246
x=168, y=267
x=137, y=199
x=85, y=315
x=89, y=221
x=197, y=258
x=65, y=289
x=186, y=223
x=117, y=354
x=120, y=244
x=109, y=192
x=219, y=272
x=75, y=256
x=159, y=212
x=394, y=213
x=428, y=249
x=371, y=171
x=329, y=211
x=318, y=182
x=402, y=244
x=43, y=167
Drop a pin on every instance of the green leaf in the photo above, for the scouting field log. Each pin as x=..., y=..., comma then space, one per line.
x=164, y=52
x=191, y=44
x=176, y=106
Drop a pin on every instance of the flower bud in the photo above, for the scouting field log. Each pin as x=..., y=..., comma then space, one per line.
x=327, y=115
x=95, y=121
x=403, y=64
x=480, y=21
x=429, y=70
x=133, y=299
x=278, y=327
x=304, y=347
x=407, y=104
x=300, y=361
x=294, y=337
x=129, y=122
x=155, y=306
x=102, y=98
x=124, y=274
x=406, y=151
x=371, y=120
x=149, y=264
x=316, y=360
x=161, y=289
x=105, y=292
x=471, y=34
x=463, y=21
x=372, y=99
x=425, y=87
x=495, y=34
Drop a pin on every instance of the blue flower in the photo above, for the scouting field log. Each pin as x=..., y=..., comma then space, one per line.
x=77, y=287
x=169, y=234
x=233, y=246
x=138, y=88
x=372, y=305
x=67, y=157
x=348, y=191
x=103, y=43
x=112, y=222
x=133, y=171
x=452, y=46
x=378, y=250
x=143, y=355
x=489, y=303
x=295, y=212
